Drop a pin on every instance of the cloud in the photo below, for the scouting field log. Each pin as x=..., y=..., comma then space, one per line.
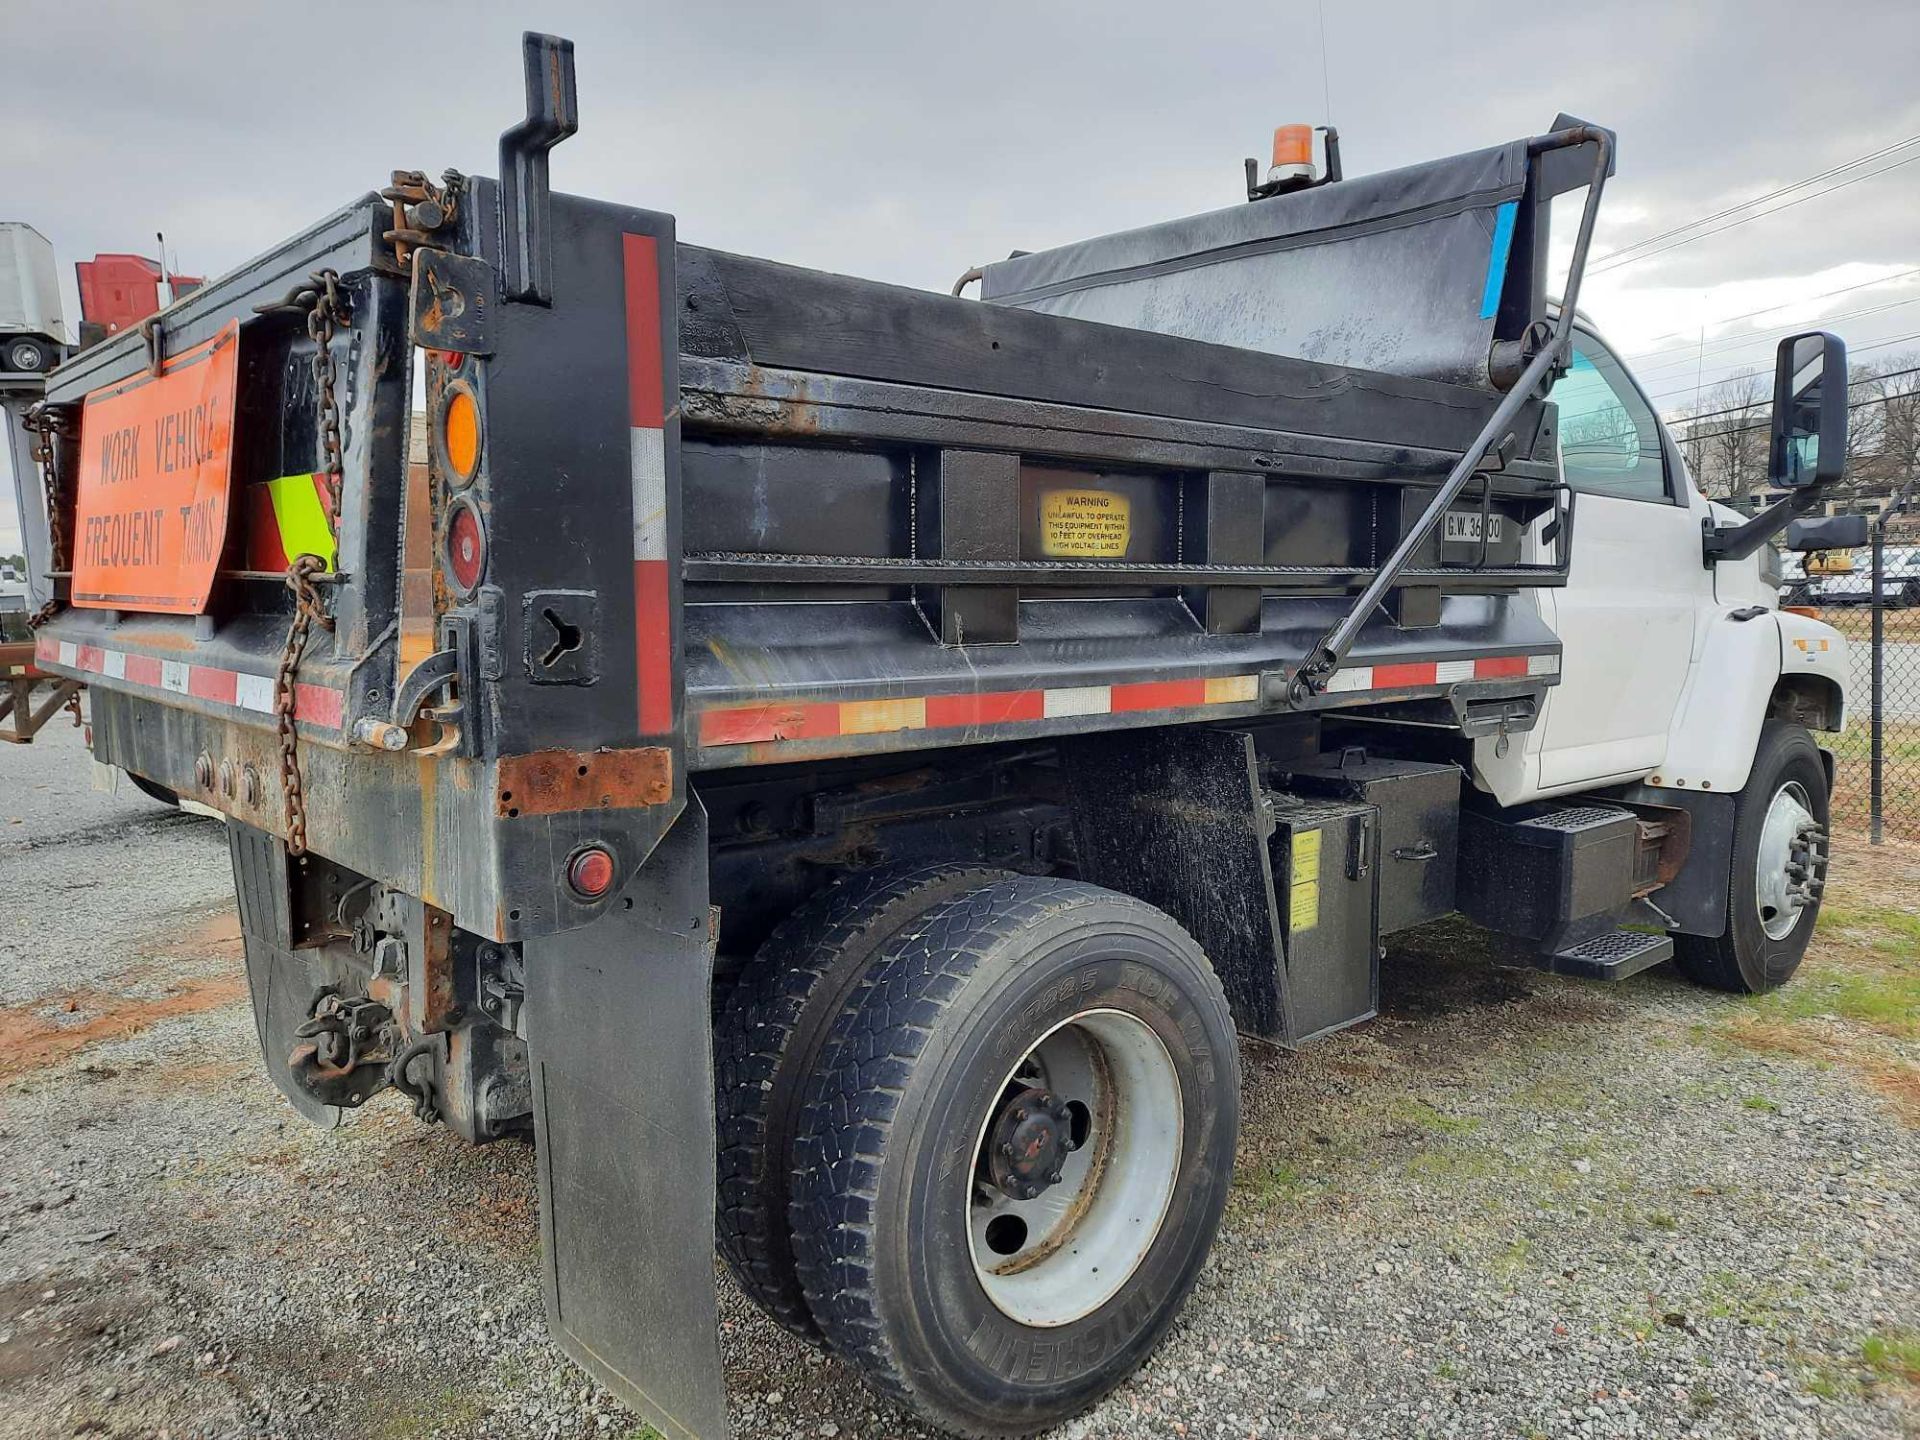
x=907, y=143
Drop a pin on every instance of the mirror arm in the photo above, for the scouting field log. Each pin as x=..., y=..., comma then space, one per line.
x=1736, y=542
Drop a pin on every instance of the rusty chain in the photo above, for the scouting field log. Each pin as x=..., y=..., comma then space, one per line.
x=329, y=312
x=326, y=313
x=43, y=422
x=420, y=208
x=307, y=612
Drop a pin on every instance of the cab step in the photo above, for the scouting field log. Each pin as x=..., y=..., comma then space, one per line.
x=1612, y=956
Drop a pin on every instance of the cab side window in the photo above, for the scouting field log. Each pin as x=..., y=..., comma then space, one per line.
x=1609, y=442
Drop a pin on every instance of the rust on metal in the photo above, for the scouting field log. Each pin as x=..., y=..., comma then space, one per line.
x=438, y=1005
x=19, y=679
x=553, y=782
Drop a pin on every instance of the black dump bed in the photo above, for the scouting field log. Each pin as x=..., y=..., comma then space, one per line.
x=732, y=513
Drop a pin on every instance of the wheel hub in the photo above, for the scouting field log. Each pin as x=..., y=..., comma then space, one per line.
x=1791, y=865
x=1028, y=1143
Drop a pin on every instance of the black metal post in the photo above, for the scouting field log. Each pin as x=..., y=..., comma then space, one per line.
x=1878, y=659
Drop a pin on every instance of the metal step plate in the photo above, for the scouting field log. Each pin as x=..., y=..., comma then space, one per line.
x=1613, y=956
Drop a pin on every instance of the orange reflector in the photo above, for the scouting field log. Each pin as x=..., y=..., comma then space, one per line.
x=460, y=433
x=1293, y=145
x=590, y=872
x=466, y=547
x=1812, y=612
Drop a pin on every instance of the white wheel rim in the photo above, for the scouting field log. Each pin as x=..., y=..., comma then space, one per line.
x=1788, y=865
x=1056, y=1258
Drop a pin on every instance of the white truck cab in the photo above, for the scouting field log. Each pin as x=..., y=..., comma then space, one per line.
x=1682, y=681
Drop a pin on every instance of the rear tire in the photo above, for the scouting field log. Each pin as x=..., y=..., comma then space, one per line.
x=966, y=1052
x=768, y=1042
x=1765, y=939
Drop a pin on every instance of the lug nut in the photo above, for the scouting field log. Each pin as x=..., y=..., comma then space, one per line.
x=203, y=771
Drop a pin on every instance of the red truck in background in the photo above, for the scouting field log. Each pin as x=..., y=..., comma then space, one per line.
x=118, y=291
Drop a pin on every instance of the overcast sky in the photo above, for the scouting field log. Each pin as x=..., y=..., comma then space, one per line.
x=908, y=142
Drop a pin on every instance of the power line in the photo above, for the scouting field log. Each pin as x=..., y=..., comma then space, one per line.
x=1626, y=259
x=1771, y=336
x=1826, y=174
x=1768, y=310
x=1746, y=409
x=1862, y=350
x=1768, y=424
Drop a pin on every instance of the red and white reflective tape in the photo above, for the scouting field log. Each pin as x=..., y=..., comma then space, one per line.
x=752, y=724
x=825, y=720
x=312, y=704
x=646, y=401
x=1441, y=672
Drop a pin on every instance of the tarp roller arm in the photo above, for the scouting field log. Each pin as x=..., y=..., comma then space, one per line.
x=1332, y=650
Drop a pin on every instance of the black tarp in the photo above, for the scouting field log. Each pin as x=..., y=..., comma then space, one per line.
x=1400, y=272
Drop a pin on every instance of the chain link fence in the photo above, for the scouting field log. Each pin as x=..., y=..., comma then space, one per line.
x=1876, y=788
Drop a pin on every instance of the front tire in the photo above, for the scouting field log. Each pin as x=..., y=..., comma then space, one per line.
x=1015, y=1156
x=1779, y=868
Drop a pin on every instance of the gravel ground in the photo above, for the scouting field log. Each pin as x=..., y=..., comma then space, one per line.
x=1512, y=1206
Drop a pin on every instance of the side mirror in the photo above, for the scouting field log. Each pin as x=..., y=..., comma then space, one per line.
x=1809, y=411
x=1830, y=532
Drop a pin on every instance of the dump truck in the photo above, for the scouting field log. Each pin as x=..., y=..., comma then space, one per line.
x=33, y=331
x=840, y=765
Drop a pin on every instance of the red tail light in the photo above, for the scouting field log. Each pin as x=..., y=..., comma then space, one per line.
x=590, y=872
x=466, y=546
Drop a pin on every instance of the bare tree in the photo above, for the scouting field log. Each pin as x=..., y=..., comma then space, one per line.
x=1726, y=449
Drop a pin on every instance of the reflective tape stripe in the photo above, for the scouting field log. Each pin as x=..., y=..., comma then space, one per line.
x=757, y=724
x=649, y=493
x=647, y=441
x=254, y=692
x=1077, y=700
x=319, y=705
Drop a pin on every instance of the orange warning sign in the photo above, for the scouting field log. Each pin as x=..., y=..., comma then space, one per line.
x=156, y=457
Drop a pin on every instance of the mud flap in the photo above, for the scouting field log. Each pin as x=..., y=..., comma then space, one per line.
x=621, y=1036
x=280, y=979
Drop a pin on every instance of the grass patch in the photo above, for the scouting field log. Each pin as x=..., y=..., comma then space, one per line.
x=1277, y=1183
x=1555, y=1092
x=1436, y=1122
x=1760, y=1102
x=1451, y=1165
x=1895, y=1356
x=1886, y=1000
x=1855, y=1004
x=1828, y=1383
x=447, y=1409
x=1515, y=1260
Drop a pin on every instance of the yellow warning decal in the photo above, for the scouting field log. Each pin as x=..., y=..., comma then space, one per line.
x=1091, y=524
x=1303, y=890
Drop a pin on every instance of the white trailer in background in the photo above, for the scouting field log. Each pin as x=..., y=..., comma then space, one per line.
x=33, y=332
